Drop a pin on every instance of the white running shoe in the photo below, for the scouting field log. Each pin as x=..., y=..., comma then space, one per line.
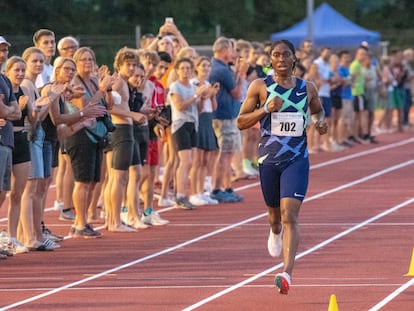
x=138, y=224
x=282, y=282
x=165, y=202
x=206, y=197
x=250, y=171
x=274, y=243
x=18, y=247
x=197, y=200
x=154, y=219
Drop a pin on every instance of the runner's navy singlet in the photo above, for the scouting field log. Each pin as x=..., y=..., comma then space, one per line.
x=283, y=133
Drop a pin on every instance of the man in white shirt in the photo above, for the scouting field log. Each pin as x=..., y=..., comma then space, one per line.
x=324, y=92
x=44, y=39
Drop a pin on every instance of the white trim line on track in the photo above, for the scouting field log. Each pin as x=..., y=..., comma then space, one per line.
x=189, y=242
x=315, y=166
x=322, y=244
x=266, y=285
x=181, y=245
x=309, y=251
x=391, y=296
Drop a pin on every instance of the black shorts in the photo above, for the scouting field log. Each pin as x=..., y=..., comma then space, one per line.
x=185, y=137
x=85, y=157
x=336, y=101
x=21, y=151
x=141, y=138
x=360, y=104
x=122, y=142
x=55, y=153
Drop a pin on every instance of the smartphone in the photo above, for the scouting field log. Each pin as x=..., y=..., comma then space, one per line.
x=169, y=20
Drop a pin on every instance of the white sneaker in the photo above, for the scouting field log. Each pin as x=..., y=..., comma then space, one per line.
x=335, y=147
x=274, y=243
x=58, y=206
x=138, y=224
x=165, y=202
x=206, y=197
x=326, y=148
x=197, y=200
x=154, y=219
x=18, y=247
x=250, y=171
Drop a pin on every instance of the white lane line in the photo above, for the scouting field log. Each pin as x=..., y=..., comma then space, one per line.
x=110, y=271
x=90, y=288
x=361, y=180
x=364, y=153
x=322, y=244
x=309, y=251
x=315, y=166
x=391, y=296
x=181, y=245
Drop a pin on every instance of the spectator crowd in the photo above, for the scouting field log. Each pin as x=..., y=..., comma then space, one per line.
x=161, y=129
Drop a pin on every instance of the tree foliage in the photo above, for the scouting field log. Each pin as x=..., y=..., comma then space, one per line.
x=197, y=19
x=236, y=17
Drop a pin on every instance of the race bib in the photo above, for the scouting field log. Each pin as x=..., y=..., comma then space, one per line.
x=287, y=124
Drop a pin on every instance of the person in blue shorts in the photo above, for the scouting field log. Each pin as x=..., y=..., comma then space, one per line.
x=282, y=104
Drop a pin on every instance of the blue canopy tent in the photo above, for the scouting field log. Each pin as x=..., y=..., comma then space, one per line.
x=329, y=29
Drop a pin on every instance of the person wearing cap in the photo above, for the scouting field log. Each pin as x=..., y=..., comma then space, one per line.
x=4, y=51
x=9, y=111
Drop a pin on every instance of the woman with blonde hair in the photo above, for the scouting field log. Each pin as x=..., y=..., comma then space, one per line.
x=85, y=147
x=207, y=146
x=40, y=155
x=15, y=70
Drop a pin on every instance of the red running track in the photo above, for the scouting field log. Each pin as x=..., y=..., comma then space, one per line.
x=357, y=240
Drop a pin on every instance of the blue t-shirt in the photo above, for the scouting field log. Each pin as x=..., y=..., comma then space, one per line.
x=346, y=90
x=228, y=107
x=6, y=131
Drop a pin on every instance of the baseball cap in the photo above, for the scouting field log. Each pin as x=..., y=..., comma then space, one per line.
x=3, y=40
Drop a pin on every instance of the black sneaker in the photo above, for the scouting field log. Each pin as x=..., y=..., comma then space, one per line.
x=183, y=203
x=373, y=140
x=354, y=140
x=67, y=214
x=87, y=233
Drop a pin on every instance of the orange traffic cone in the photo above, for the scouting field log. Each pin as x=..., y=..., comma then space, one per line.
x=333, y=306
x=411, y=269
